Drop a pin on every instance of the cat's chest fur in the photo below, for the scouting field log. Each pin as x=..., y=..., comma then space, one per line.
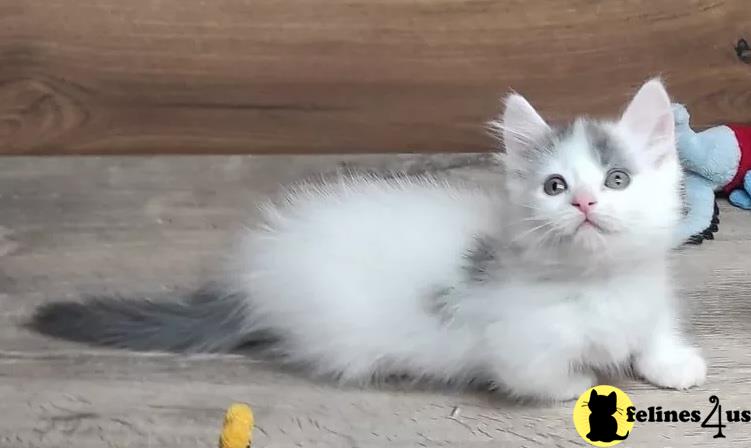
x=601, y=318
x=609, y=318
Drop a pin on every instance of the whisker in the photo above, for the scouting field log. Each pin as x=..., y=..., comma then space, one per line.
x=528, y=232
x=543, y=238
x=499, y=129
x=527, y=206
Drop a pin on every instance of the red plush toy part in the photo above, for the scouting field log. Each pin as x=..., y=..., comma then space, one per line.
x=743, y=134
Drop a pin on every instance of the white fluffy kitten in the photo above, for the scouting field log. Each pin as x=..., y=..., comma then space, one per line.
x=534, y=287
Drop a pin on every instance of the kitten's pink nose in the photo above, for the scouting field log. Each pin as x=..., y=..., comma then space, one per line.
x=584, y=202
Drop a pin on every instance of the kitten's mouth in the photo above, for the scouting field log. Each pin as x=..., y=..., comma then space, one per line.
x=588, y=223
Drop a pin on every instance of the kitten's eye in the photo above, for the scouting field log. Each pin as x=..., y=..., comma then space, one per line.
x=617, y=179
x=554, y=185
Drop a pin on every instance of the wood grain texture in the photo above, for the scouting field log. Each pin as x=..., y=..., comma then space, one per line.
x=334, y=76
x=74, y=226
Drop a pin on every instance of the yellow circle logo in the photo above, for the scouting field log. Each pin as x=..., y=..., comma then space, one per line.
x=600, y=416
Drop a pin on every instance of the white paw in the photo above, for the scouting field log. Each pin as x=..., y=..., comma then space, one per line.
x=682, y=369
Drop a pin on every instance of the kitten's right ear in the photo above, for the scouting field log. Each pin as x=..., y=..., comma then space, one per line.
x=521, y=126
x=650, y=118
x=592, y=395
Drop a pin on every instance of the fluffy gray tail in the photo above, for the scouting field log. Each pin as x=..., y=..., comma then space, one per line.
x=208, y=320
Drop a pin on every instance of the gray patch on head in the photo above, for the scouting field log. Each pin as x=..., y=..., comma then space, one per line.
x=481, y=259
x=517, y=173
x=605, y=147
x=560, y=133
x=545, y=148
x=541, y=149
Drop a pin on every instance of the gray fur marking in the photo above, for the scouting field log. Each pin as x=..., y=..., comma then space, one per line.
x=481, y=259
x=540, y=151
x=439, y=304
x=605, y=148
x=209, y=320
x=561, y=133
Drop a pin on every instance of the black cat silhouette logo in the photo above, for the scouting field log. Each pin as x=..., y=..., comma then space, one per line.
x=600, y=417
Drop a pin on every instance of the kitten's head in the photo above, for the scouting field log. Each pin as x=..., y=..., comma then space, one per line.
x=603, y=404
x=594, y=186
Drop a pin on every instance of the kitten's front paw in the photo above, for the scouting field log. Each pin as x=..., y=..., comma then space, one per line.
x=682, y=369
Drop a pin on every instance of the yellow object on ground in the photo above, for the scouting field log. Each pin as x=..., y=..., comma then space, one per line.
x=238, y=427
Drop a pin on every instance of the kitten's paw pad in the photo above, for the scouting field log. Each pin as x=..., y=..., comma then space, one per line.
x=681, y=370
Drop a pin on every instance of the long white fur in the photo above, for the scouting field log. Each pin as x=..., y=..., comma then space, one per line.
x=366, y=277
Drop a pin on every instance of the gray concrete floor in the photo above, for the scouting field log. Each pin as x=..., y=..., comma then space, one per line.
x=74, y=226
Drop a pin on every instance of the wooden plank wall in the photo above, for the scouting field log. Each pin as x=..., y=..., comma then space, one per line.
x=325, y=76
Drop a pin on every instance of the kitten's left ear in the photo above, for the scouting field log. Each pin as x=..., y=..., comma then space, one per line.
x=649, y=119
x=521, y=126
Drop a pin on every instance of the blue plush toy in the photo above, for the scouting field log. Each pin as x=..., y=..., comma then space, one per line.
x=715, y=160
